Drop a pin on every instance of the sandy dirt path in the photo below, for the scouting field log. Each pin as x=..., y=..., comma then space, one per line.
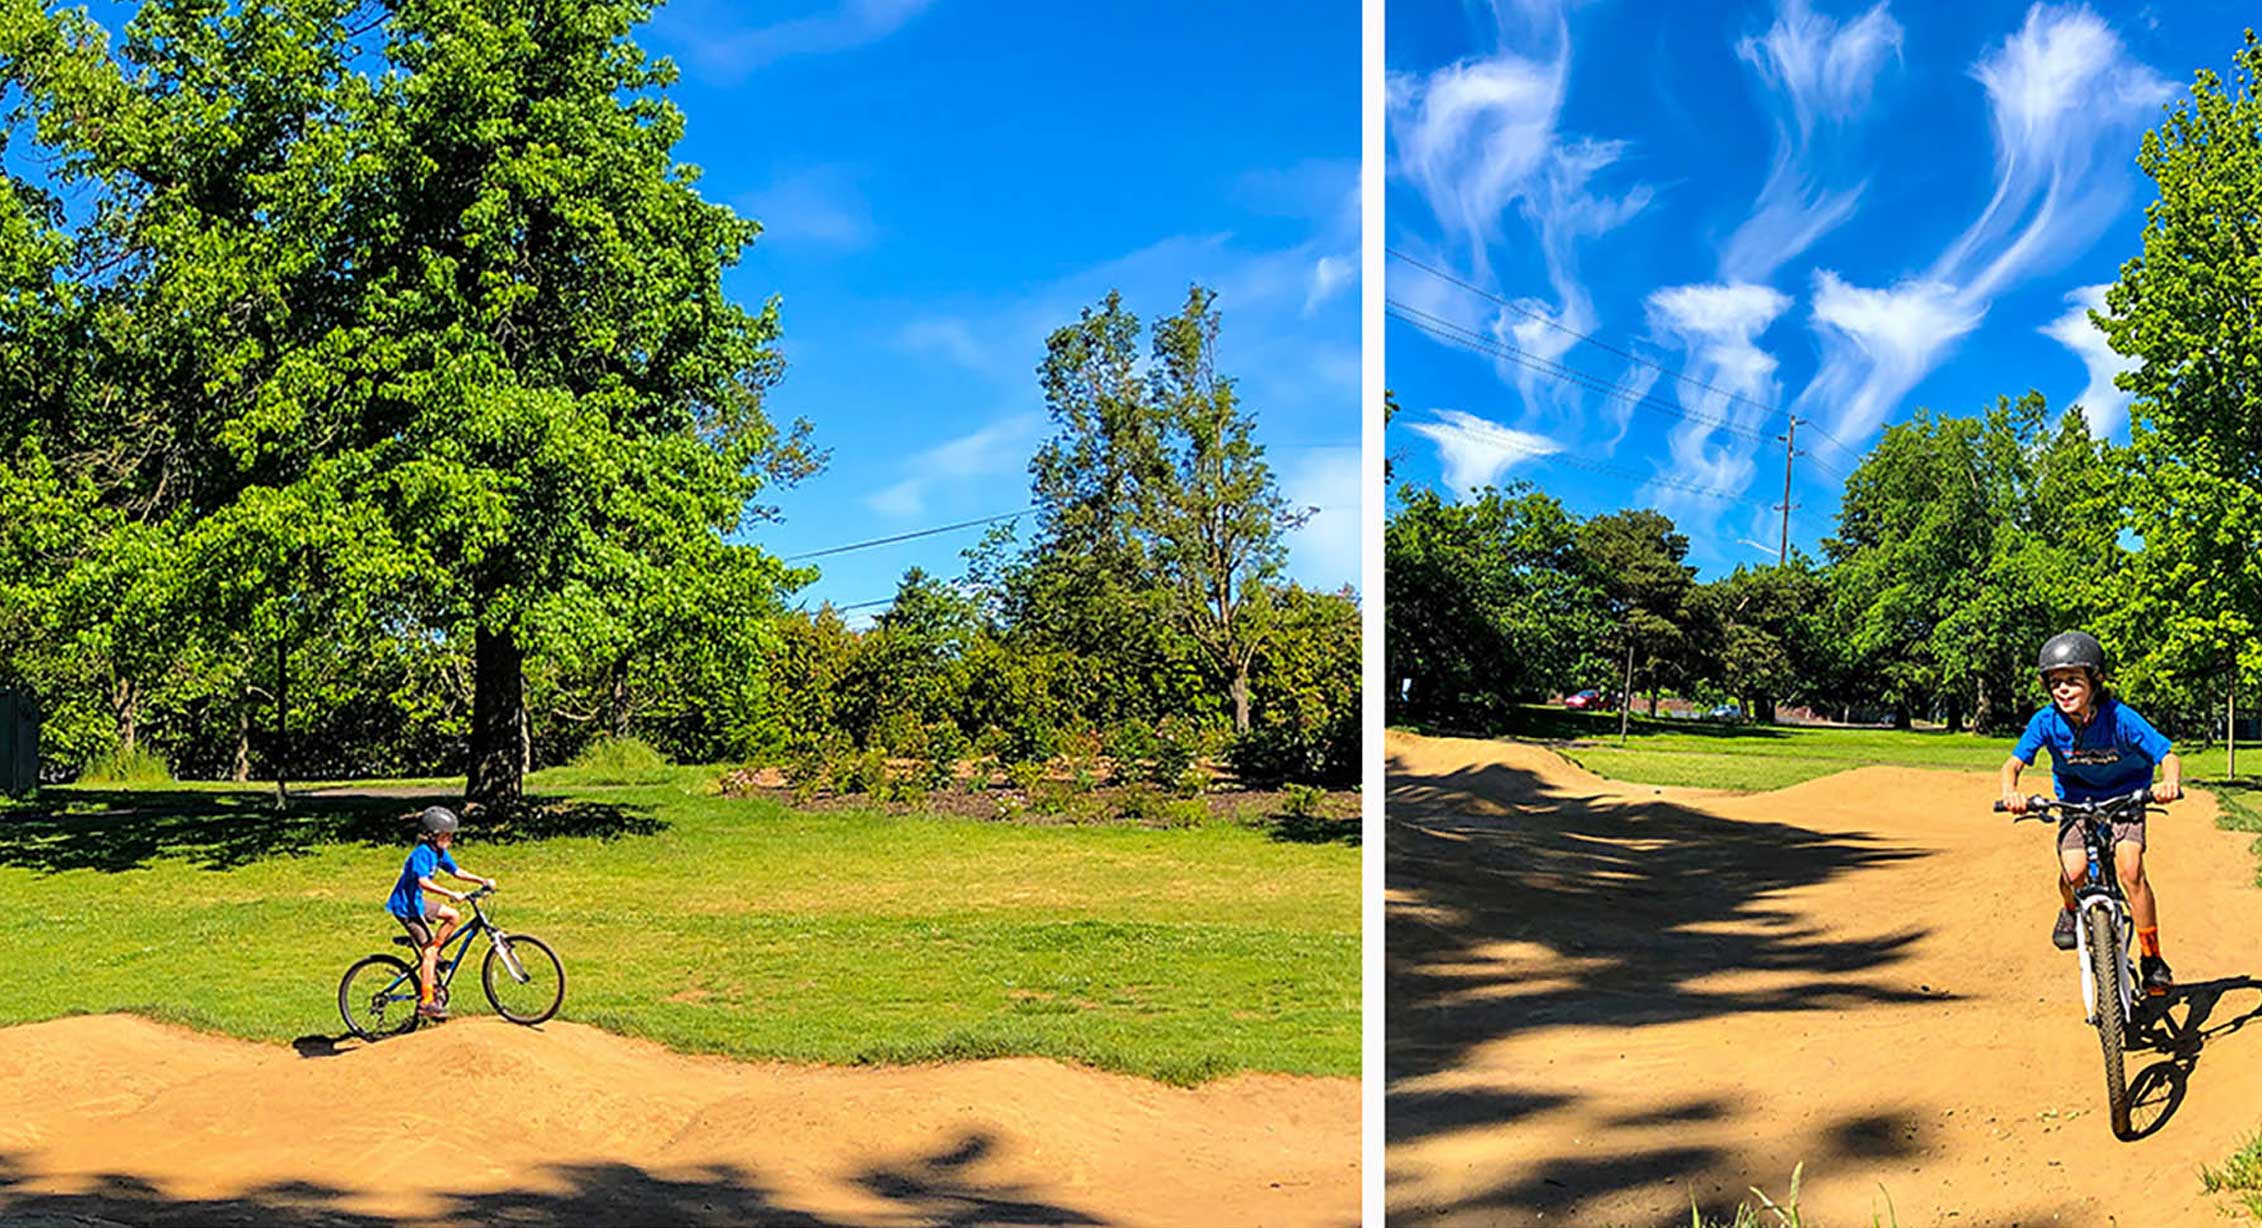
x=1604, y=998
x=115, y=1119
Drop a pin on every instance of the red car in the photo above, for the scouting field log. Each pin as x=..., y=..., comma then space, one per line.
x=1582, y=701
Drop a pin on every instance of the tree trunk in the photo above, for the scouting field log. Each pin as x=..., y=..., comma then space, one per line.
x=125, y=704
x=618, y=718
x=282, y=724
x=240, y=771
x=525, y=731
x=1241, y=698
x=1955, y=714
x=1626, y=697
x=498, y=669
x=1901, y=718
x=1763, y=711
x=1653, y=703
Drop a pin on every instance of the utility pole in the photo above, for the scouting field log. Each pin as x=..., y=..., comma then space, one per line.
x=1789, y=438
x=1626, y=698
x=2230, y=720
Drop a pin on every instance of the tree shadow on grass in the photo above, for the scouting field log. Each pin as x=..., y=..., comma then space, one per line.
x=931, y=1190
x=125, y=829
x=1312, y=829
x=1627, y=911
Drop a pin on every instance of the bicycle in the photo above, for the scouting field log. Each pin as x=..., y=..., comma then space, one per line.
x=530, y=989
x=2108, y=975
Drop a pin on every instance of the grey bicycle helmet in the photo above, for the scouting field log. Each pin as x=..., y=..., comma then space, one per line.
x=2072, y=650
x=437, y=820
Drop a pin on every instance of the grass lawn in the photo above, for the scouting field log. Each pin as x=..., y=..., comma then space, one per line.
x=712, y=925
x=1760, y=757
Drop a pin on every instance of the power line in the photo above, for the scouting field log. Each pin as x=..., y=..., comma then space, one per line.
x=1446, y=330
x=904, y=537
x=1598, y=343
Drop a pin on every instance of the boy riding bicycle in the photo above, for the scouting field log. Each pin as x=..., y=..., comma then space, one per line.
x=2099, y=749
x=429, y=857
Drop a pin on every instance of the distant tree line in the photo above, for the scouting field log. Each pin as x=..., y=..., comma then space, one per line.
x=1961, y=542
x=370, y=404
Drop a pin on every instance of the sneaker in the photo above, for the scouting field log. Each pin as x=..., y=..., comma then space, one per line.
x=2157, y=979
x=2062, y=934
x=433, y=1011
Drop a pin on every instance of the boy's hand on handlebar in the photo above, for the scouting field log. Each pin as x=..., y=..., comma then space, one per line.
x=2166, y=791
x=2015, y=802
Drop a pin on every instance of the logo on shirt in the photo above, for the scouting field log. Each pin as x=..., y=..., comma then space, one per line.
x=2093, y=758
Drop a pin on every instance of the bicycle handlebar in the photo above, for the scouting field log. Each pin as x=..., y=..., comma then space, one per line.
x=2038, y=806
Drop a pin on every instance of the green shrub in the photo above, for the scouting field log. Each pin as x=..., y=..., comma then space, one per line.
x=619, y=761
x=1025, y=776
x=861, y=773
x=142, y=767
x=1131, y=744
x=1178, y=746
x=1303, y=802
x=1140, y=803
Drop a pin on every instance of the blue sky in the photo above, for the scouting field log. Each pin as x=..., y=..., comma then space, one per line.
x=1842, y=211
x=944, y=182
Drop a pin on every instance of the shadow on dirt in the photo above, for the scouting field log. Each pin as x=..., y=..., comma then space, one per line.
x=2192, y=1017
x=1628, y=908
x=126, y=829
x=932, y=1189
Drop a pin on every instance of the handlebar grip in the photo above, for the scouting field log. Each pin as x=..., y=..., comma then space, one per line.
x=2000, y=808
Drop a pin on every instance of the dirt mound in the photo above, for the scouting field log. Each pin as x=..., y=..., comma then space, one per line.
x=117, y=1118
x=1604, y=999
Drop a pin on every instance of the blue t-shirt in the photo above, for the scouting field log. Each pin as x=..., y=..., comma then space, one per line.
x=2112, y=756
x=408, y=897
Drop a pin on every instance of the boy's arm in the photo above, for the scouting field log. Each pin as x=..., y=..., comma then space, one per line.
x=436, y=889
x=469, y=877
x=2171, y=778
x=2013, y=800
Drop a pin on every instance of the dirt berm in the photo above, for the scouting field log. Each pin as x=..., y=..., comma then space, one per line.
x=1605, y=998
x=115, y=1119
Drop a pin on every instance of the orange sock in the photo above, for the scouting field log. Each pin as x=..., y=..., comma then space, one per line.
x=2148, y=941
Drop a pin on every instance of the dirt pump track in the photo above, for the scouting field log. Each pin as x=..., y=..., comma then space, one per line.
x=115, y=1119
x=1604, y=998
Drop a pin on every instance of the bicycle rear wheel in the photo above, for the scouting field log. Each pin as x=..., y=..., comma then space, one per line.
x=2107, y=955
x=377, y=998
x=523, y=978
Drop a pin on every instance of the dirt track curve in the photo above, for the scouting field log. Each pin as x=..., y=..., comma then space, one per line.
x=1605, y=997
x=115, y=1119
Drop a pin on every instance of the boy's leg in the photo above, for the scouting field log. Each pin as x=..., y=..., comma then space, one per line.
x=448, y=919
x=2144, y=909
x=2073, y=868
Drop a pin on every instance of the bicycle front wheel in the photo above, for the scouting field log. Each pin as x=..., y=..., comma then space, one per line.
x=377, y=998
x=2107, y=956
x=523, y=978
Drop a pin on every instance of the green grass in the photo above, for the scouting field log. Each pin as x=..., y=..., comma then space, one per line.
x=1761, y=757
x=713, y=925
x=140, y=767
x=2241, y=1175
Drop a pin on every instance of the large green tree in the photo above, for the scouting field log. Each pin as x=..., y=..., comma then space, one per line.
x=2189, y=307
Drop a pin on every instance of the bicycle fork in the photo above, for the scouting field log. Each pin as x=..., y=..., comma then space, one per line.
x=2124, y=985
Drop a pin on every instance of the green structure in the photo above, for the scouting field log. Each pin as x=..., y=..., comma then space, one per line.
x=19, y=744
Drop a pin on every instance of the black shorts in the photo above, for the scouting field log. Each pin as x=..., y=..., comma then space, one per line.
x=419, y=928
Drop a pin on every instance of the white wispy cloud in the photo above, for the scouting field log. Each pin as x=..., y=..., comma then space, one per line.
x=1876, y=345
x=1479, y=138
x=1824, y=72
x=817, y=207
x=1477, y=453
x=2105, y=406
x=710, y=41
x=2065, y=101
x=1718, y=327
x=1000, y=448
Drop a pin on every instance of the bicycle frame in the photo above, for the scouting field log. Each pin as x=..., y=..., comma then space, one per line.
x=444, y=971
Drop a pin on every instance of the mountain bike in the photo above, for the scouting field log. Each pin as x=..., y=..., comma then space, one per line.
x=522, y=976
x=2108, y=974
